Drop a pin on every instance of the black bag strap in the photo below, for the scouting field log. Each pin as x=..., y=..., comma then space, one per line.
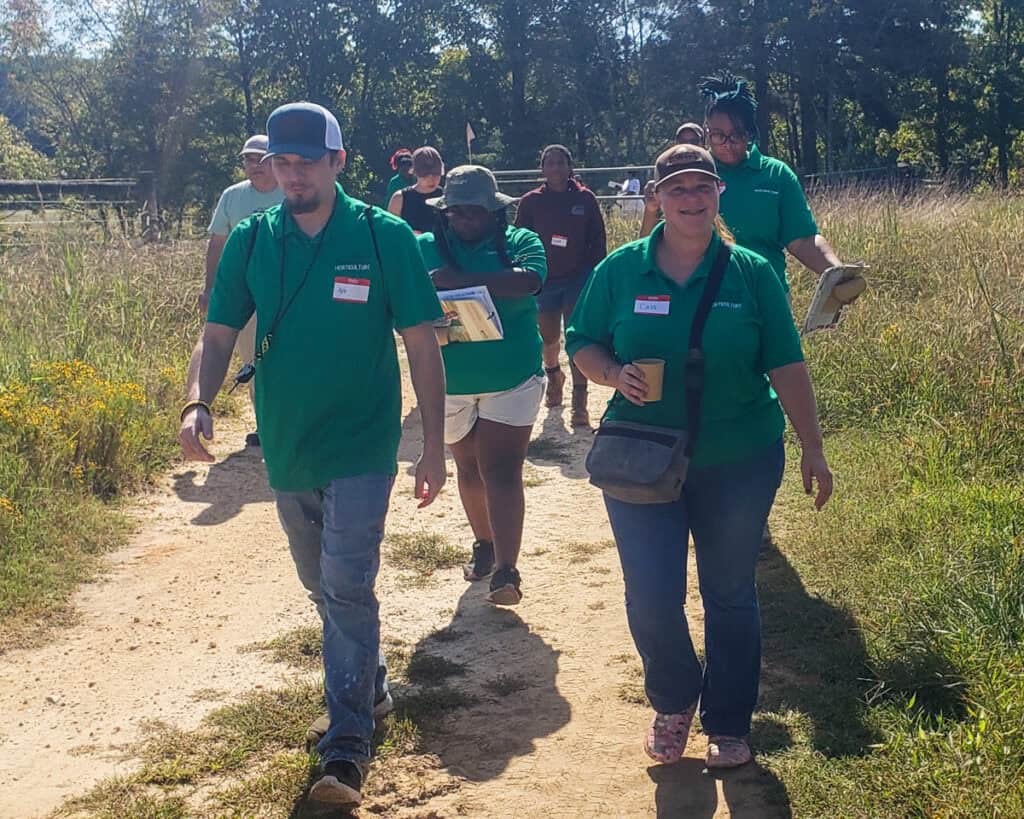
x=368, y=213
x=252, y=238
x=695, y=352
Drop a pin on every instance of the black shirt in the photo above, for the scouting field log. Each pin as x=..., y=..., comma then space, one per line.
x=416, y=211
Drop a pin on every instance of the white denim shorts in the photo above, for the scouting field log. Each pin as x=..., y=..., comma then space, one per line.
x=517, y=407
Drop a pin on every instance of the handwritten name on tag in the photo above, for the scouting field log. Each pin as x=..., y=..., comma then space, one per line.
x=652, y=305
x=559, y=241
x=352, y=290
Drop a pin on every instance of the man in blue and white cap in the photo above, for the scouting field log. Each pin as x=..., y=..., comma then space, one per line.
x=329, y=279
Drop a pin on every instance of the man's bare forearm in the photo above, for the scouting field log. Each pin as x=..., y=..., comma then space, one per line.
x=814, y=252
x=209, y=362
x=426, y=368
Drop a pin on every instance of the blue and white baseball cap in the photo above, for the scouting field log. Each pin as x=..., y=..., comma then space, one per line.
x=303, y=128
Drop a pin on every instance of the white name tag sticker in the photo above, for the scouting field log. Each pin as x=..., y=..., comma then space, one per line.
x=353, y=290
x=652, y=305
x=559, y=241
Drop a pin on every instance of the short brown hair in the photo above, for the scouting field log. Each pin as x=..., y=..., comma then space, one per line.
x=426, y=161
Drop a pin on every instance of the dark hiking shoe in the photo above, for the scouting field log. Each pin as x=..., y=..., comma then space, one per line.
x=482, y=564
x=252, y=439
x=340, y=784
x=505, y=587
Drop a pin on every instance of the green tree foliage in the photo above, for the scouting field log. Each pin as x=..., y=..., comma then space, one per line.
x=18, y=159
x=174, y=86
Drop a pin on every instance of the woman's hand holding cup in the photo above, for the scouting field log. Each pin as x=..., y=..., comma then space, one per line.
x=632, y=384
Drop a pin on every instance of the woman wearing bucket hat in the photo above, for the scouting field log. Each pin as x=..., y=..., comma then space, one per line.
x=643, y=301
x=494, y=388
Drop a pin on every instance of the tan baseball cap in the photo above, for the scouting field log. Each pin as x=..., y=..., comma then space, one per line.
x=680, y=159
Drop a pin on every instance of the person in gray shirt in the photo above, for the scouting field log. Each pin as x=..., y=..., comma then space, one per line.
x=257, y=193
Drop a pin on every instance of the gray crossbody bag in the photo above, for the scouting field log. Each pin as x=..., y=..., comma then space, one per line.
x=642, y=463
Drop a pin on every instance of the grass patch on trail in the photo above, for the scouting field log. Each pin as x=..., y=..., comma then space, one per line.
x=420, y=554
x=301, y=647
x=631, y=689
x=894, y=620
x=505, y=684
x=549, y=449
x=248, y=758
x=430, y=669
x=578, y=552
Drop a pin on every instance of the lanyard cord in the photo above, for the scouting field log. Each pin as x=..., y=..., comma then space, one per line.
x=282, y=308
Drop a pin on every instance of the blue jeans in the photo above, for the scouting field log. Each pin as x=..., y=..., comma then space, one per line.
x=725, y=507
x=334, y=534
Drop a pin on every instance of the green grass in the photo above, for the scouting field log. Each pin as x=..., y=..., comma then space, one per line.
x=300, y=648
x=431, y=669
x=549, y=449
x=93, y=345
x=420, y=554
x=247, y=758
x=894, y=677
x=578, y=552
x=505, y=684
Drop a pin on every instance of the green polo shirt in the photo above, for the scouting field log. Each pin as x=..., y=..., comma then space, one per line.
x=328, y=391
x=476, y=367
x=765, y=208
x=749, y=331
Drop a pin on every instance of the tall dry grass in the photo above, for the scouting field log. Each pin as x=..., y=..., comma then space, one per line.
x=93, y=340
x=921, y=391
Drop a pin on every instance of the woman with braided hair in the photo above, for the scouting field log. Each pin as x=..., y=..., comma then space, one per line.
x=494, y=388
x=762, y=200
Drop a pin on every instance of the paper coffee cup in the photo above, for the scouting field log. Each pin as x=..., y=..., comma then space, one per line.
x=654, y=375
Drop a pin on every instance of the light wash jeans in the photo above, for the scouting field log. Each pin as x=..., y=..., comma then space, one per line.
x=334, y=535
x=726, y=508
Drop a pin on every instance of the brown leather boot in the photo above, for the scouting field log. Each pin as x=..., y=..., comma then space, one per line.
x=556, y=380
x=580, y=415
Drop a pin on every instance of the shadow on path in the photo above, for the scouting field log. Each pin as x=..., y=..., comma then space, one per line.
x=512, y=673
x=231, y=484
x=815, y=663
x=687, y=790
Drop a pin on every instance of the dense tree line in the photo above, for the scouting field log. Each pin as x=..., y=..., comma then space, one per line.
x=108, y=89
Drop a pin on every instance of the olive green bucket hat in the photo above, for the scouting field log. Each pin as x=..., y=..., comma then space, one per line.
x=471, y=185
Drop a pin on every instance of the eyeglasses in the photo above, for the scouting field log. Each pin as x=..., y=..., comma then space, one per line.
x=735, y=138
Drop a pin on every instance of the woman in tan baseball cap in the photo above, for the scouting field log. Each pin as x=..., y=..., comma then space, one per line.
x=644, y=301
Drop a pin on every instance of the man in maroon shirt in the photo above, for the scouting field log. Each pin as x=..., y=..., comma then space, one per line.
x=568, y=220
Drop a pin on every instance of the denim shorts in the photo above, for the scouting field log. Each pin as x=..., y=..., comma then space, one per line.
x=559, y=294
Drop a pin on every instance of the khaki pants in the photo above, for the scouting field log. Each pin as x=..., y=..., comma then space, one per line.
x=245, y=349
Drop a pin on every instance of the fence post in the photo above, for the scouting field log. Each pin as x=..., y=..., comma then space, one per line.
x=150, y=207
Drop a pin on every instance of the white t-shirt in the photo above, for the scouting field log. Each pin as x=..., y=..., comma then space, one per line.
x=238, y=202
